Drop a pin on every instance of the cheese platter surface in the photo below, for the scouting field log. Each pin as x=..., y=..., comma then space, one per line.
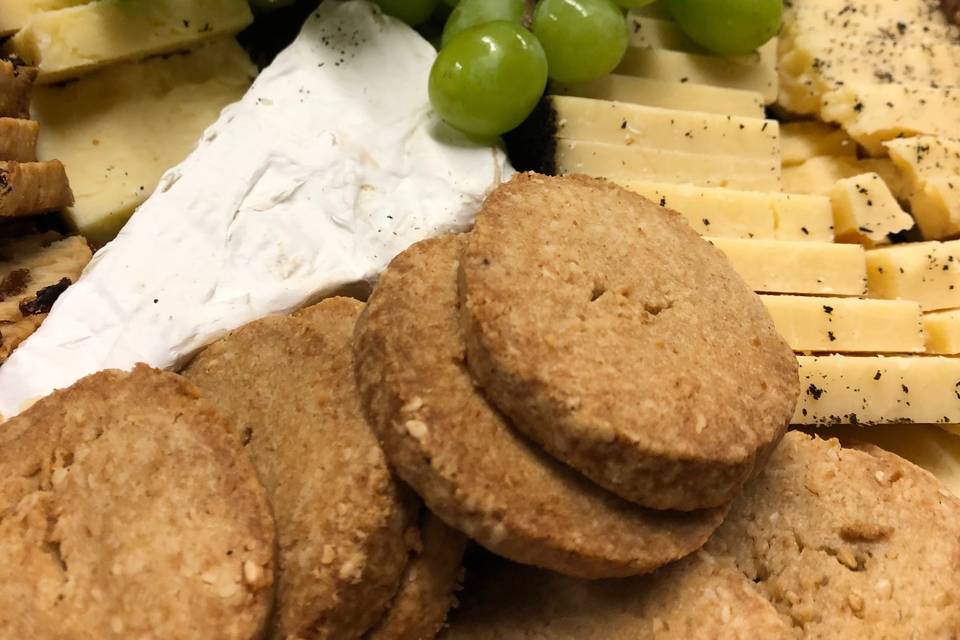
x=479, y=319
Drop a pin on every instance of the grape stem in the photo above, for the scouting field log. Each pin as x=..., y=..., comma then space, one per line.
x=528, y=13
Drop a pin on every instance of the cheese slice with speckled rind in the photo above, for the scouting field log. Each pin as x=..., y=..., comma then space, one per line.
x=927, y=272
x=865, y=211
x=943, y=332
x=932, y=167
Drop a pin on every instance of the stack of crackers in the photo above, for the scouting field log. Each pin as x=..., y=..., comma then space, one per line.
x=580, y=386
x=35, y=265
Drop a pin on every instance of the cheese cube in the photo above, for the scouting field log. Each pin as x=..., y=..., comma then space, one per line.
x=620, y=162
x=876, y=389
x=668, y=95
x=865, y=211
x=682, y=67
x=120, y=129
x=14, y=14
x=665, y=129
x=801, y=141
x=812, y=268
x=943, y=332
x=932, y=166
x=819, y=175
x=69, y=42
x=731, y=213
x=927, y=272
x=847, y=325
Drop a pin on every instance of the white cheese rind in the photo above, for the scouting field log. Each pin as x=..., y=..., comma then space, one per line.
x=331, y=165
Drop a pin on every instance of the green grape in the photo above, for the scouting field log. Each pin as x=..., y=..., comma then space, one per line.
x=470, y=13
x=413, y=12
x=488, y=78
x=728, y=27
x=583, y=39
x=634, y=4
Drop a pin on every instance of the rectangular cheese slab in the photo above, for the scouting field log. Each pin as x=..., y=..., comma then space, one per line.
x=668, y=95
x=926, y=272
x=272, y=210
x=931, y=165
x=639, y=126
x=847, y=325
x=14, y=14
x=801, y=141
x=732, y=213
x=943, y=332
x=865, y=211
x=809, y=268
x=682, y=67
x=100, y=125
x=18, y=139
x=69, y=42
x=621, y=162
x=841, y=389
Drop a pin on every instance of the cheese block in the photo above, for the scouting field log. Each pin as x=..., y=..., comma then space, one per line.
x=865, y=211
x=847, y=325
x=69, y=42
x=932, y=167
x=818, y=175
x=801, y=141
x=621, y=162
x=943, y=332
x=18, y=139
x=927, y=272
x=731, y=213
x=118, y=130
x=279, y=204
x=811, y=268
x=839, y=389
x=682, y=67
x=14, y=14
x=665, y=129
x=668, y=95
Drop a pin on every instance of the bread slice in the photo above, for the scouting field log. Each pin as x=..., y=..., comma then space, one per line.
x=18, y=139
x=28, y=188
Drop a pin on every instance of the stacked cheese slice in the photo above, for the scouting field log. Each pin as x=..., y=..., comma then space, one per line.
x=672, y=127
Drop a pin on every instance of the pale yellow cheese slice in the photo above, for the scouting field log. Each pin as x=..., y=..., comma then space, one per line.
x=620, y=162
x=943, y=332
x=119, y=129
x=847, y=325
x=665, y=129
x=732, y=213
x=840, y=389
x=668, y=95
x=926, y=272
x=819, y=174
x=865, y=211
x=14, y=14
x=801, y=141
x=932, y=166
x=810, y=268
x=69, y=42
x=682, y=67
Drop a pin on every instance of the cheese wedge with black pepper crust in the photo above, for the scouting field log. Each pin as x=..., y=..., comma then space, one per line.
x=28, y=188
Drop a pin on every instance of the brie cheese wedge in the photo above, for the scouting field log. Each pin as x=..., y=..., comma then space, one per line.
x=330, y=166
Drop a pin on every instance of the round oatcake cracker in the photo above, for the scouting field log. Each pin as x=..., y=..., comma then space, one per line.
x=427, y=592
x=468, y=465
x=287, y=386
x=697, y=598
x=622, y=342
x=846, y=543
x=127, y=510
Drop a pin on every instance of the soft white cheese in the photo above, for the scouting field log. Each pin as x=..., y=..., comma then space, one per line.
x=331, y=165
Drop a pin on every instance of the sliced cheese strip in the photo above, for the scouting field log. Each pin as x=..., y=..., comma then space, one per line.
x=668, y=95
x=731, y=213
x=677, y=66
x=943, y=332
x=847, y=325
x=665, y=129
x=865, y=210
x=18, y=139
x=927, y=272
x=876, y=389
x=69, y=42
x=932, y=167
x=620, y=162
x=33, y=187
x=812, y=268
x=100, y=125
x=801, y=141
x=14, y=14
x=819, y=174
